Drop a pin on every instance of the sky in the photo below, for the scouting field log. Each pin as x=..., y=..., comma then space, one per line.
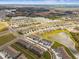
x=39, y=1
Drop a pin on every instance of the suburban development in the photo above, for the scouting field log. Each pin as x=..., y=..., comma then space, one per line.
x=39, y=33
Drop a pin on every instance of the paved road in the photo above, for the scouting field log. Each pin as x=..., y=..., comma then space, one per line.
x=52, y=53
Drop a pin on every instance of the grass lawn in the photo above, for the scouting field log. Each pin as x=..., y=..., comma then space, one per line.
x=3, y=26
x=6, y=38
x=57, y=44
x=47, y=55
x=28, y=53
x=76, y=38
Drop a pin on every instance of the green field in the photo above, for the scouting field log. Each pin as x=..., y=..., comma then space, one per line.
x=47, y=55
x=75, y=36
x=6, y=38
x=28, y=53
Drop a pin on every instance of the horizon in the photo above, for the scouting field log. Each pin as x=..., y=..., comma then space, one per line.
x=41, y=2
